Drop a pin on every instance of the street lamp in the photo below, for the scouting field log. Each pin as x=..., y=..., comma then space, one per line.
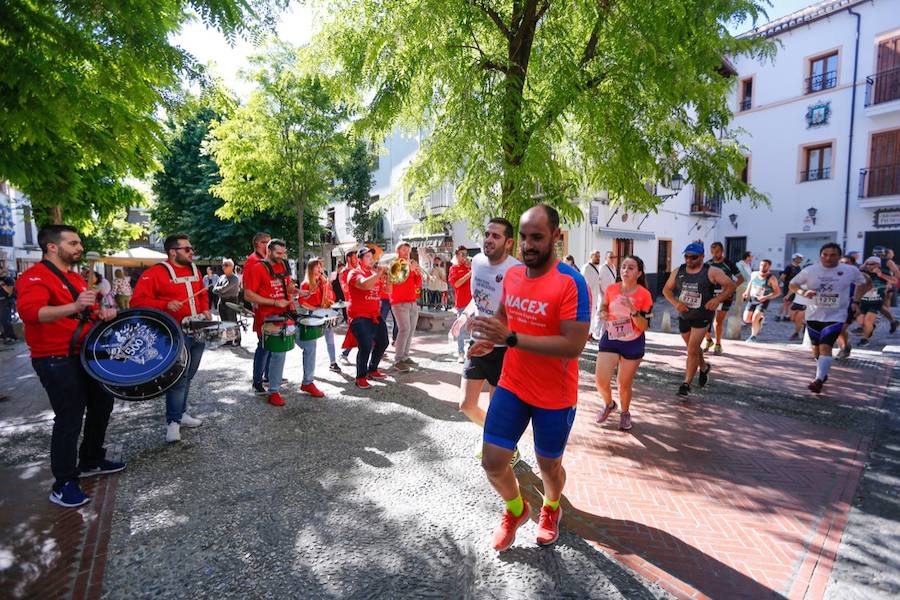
x=733, y=218
x=675, y=184
x=812, y=214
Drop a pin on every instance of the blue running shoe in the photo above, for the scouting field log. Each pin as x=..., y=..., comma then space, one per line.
x=69, y=495
x=103, y=467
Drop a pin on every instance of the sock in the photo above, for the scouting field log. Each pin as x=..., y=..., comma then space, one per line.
x=822, y=367
x=553, y=504
x=516, y=506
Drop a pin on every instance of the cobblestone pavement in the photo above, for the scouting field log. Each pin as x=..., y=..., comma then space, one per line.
x=377, y=493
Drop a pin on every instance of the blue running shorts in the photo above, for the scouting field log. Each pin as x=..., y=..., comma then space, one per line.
x=508, y=416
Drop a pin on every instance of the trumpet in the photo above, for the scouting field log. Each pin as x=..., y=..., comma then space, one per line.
x=397, y=268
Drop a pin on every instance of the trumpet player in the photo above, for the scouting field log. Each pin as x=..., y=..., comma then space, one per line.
x=404, y=294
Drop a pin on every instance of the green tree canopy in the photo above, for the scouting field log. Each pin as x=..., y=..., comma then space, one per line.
x=184, y=203
x=278, y=154
x=82, y=84
x=543, y=100
x=354, y=186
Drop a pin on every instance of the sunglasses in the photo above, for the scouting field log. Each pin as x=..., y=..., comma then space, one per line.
x=691, y=256
x=185, y=248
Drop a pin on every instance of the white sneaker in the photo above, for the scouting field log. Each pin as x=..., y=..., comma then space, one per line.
x=189, y=421
x=461, y=358
x=173, y=432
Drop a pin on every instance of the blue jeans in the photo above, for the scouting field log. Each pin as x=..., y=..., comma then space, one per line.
x=373, y=341
x=308, y=348
x=176, y=397
x=276, y=369
x=261, y=358
x=329, y=343
x=461, y=339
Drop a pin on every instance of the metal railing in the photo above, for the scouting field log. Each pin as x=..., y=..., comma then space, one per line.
x=879, y=181
x=708, y=206
x=746, y=103
x=815, y=174
x=883, y=87
x=822, y=81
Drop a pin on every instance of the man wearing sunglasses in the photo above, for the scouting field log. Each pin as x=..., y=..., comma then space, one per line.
x=691, y=290
x=175, y=287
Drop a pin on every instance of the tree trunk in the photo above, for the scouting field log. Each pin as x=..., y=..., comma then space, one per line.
x=301, y=243
x=56, y=215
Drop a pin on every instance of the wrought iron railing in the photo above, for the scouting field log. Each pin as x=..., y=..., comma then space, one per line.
x=708, y=206
x=746, y=103
x=883, y=87
x=822, y=81
x=815, y=174
x=879, y=181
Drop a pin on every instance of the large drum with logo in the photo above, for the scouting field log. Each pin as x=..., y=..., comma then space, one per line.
x=138, y=355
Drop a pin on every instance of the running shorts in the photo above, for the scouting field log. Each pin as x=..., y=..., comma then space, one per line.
x=630, y=350
x=790, y=297
x=485, y=367
x=685, y=325
x=508, y=417
x=725, y=306
x=755, y=305
x=866, y=307
x=823, y=333
x=800, y=307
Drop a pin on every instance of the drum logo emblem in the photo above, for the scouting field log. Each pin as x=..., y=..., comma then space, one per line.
x=134, y=342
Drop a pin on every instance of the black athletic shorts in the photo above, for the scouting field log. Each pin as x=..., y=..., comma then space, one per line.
x=821, y=332
x=486, y=367
x=685, y=325
x=796, y=306
x=754, y=305
x=870, y=307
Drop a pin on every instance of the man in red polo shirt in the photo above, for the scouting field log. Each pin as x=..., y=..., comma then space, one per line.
x=364, y=285
x=460, y=277
x=405, y=309
x=58, y=310
x=260, y=243
x=352, y=263
x=176, y=287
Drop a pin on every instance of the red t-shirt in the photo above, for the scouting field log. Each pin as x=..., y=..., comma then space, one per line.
x=323, y=290
x=268, y=287
x=363, y=303
x=619, y=325
x=408, y=291
x=536, y=307
x=462, y=293
x=155, y=289
x=251, y=260
x=39, y=287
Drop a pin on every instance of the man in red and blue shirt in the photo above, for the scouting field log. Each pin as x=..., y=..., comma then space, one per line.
x=58, y=310
x=543, y=319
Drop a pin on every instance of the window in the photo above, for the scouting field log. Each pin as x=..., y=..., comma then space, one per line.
x=822, y=73
x=817, y=164
x=884, y=85
x=622, y=247
x=745, y=172
x=746, y=94
x=26, y=218
x=735, y=248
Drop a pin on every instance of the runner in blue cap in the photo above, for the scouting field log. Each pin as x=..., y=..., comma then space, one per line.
x=691, y=290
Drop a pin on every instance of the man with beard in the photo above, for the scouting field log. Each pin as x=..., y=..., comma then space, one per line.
x=176, y=287
x=227, y=290
x=827, y=284
x=406, y=311
x=57, y=319
x=719, y=261
x=488, y=273
x=543, y=319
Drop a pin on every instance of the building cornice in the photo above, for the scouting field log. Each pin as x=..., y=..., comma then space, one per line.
x=804, y=16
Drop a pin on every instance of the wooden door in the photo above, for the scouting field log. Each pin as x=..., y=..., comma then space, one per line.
x=887, y=71
x=884, y=164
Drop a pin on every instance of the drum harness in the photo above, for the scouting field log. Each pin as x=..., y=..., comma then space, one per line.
x=283, y=276
x=82, y=317
x=187, y=281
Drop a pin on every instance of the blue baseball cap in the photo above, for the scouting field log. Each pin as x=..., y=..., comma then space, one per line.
x=694, y=248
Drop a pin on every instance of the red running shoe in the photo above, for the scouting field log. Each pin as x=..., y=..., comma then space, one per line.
x=548, y=525
x=376, y=374
x=312, y=390
x=362, y=382
x=505, y=534
x=275, y=399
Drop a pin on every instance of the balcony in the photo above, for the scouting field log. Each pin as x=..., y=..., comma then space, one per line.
x=707, y=207
x=883, y=92
x=879, y=186
x=815, y=174
x=820, y=82
x=746, y=104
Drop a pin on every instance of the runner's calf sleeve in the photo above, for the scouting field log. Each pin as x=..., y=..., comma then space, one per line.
x=823, y=365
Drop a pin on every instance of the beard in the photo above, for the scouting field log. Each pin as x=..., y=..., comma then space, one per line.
x=69, y=258
x=493, y=253
x=184, y=262
x=535, y=259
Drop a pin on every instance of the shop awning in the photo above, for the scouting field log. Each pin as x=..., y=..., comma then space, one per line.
x=134, y=257
x=627, y=234
x=436, y=240
x=341, y=249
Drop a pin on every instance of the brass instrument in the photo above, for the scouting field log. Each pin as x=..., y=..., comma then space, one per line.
x=397, y=268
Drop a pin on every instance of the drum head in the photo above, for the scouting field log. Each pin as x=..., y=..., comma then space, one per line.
x=226, y=324
x=312, y=322
x=339, y=304
x=139, y=345
x=325, y=313
x=239, y=309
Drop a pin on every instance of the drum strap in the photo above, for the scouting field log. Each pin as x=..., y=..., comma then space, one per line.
x=187, y=281
x=83, y=317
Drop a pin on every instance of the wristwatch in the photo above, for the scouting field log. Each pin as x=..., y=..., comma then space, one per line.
x=512, y=340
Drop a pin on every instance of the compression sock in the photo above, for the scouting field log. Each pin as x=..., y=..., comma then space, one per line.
x=553, y=504
x=516, y=506
x=823, y=365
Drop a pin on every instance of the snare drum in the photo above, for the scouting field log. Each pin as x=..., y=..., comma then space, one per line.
x=311, y=328
x=339, y=305
x=138, y=355
x=278, y=334
x=221, y=332
x=330, y=317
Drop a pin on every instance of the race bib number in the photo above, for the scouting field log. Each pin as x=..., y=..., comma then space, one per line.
x=690, y=299
x=620, y=329
x=827, y=300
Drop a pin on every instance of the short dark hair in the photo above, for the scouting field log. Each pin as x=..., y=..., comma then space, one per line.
x=831, y=246
x=746, y=254
x=51, y=234
x=259, y=236
x=507, y=226
x=716, y=245
x=849, y=258
x=766, y=260
x=172, y=241
x=552, y=216
x=275, y=242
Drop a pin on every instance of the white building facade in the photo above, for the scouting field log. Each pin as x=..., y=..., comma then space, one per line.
x=18, y=233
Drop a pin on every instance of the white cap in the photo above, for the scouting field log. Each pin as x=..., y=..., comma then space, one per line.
x=873, y=259
x=796, y=256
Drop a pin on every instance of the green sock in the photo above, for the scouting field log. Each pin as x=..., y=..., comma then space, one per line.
x=516, y=506
x=554, y=504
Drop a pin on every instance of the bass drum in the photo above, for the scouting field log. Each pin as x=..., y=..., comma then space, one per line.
x=138, y=355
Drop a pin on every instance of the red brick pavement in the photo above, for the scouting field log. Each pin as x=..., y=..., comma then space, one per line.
x=710, y=500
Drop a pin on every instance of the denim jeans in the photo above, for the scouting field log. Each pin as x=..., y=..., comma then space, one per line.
x=308, y=348
x=261, y=360
x=73, y=393
x=276, y=369
x=373, y=341
x=329, y=343
x=461, y=339
x=407, y=315
x=176, y=397
x=385, y=311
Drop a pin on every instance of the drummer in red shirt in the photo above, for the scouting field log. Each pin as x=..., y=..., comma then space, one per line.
x=260, y=244
x=176, y=287
x=364, y=284
x=460, y=277
x=405, y=309
x=58, y=310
